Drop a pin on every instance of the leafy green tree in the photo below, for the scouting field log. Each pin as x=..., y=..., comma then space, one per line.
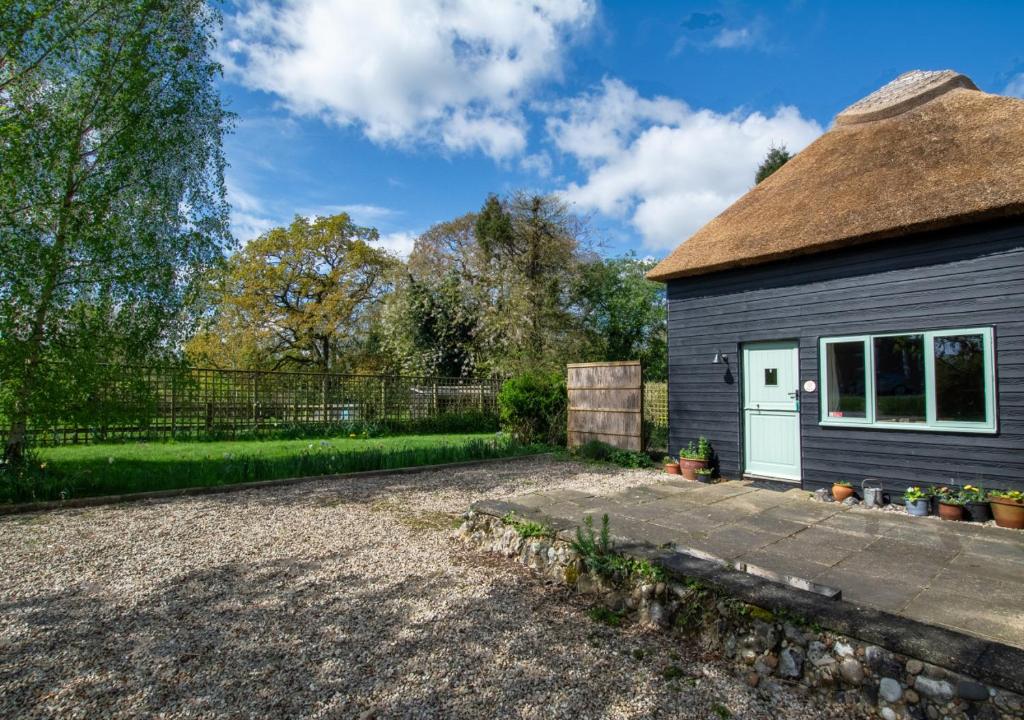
x=776, y=158
x=111, y=189
x=301, y=296
x=432, y=323
x=533, y=245
x=624, y=313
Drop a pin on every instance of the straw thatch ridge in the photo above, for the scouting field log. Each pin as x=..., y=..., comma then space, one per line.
x=956, y=159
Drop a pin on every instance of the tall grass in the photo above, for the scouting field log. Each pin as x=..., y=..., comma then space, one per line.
x=152, y=467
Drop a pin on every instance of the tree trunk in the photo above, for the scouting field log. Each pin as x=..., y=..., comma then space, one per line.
x=17, y=437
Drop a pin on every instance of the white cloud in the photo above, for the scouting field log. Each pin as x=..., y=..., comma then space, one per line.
x=733, y=38
x=448, y=72
x=359, y=212
x=666, y=167
x=1016, y=86
x=399, y=243
x=538, y=163
x=249, y=216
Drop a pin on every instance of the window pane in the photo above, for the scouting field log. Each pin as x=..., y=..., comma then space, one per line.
x=960, y=378
x=845, y=378
x=771, y=376
x=899, y=379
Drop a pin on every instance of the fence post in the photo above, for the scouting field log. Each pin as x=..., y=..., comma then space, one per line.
x=174, y=387
x=323, y=398
x=252, y=382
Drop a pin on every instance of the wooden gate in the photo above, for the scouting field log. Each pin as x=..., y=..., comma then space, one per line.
x=606, y=404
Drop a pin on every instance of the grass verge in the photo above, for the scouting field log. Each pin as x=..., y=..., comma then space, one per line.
x=87, y=471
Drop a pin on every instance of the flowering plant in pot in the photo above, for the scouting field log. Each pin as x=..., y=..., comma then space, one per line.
x=951, y=504
x=671, y=466
x=917, y=500
x=694, y=456
x=704, y=474
x=976, y=506
x=842, y=489
x=1008, y=508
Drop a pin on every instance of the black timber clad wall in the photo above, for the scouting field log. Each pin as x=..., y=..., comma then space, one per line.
x=971, y=277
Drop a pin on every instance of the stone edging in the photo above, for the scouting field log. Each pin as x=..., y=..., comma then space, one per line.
x=889, y=666
x=18, y=508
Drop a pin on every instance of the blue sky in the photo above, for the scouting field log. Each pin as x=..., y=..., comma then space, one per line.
x=649, y=118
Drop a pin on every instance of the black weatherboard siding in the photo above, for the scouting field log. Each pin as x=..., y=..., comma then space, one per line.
x=967, y=278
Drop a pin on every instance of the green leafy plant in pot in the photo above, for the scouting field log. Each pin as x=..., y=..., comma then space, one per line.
x=976, y=505
x=917, y=501
x=951, y=503
x=671, y=466
x=693, y=457
x=704, y=474
x=1008, y=508
x=842, y=489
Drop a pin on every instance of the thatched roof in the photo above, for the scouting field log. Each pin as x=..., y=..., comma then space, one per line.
x=926, y=151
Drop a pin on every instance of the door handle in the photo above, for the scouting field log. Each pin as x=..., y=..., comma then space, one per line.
x=793, y=394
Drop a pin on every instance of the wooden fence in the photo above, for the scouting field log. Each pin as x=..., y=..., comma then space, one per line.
x=155, y=403
x=606, y=404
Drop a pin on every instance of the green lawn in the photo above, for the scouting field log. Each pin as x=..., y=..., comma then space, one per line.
x=89, y=470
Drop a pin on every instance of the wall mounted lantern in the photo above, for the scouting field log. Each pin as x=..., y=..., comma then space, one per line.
x=720, y=357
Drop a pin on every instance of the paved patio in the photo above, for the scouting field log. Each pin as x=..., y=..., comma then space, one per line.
x=962, y=576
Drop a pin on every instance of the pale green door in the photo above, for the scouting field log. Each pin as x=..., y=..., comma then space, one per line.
x=771, y=409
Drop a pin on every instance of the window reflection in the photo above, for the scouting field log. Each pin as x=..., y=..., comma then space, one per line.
x=899, y=379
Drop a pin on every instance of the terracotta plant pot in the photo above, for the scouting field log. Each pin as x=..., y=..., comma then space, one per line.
x=672, y=468
x=951, y=512
x=841, y=492
x=1008, y=513
x=689, y=467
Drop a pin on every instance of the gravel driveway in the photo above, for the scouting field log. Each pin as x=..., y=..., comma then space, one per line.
x=336, y=599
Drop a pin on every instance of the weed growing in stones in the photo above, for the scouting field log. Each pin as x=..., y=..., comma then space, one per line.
x=528, y=528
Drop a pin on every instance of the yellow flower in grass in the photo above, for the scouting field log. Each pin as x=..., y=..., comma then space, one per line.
x=351, y=435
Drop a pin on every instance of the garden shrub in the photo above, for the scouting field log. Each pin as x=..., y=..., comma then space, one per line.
x=532, y=407
x=597, y=450
x=594, y=450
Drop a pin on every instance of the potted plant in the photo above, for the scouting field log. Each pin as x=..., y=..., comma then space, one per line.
x=1008, y=508
x=976, y=507
x=917, y=501
x=671, y=466
x=704, y=474
x=951, y=504
x=842, y=489
x=694, y=456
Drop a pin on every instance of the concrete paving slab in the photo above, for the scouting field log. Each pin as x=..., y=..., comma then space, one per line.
x=567, y=494
x=992, y=618
x=969, y=579
x=753, y=502
x=635, y=495
x=689, y=522
x=714, y=492
x=867, y=590
x=805, y=512
x=762, y=522
x=730, y=541
x=986, y=568
x=818, y=541
x=794, y=565
x=957, y=581
x=863, y=523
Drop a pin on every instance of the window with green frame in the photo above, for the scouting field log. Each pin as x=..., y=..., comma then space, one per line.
x=929, y=380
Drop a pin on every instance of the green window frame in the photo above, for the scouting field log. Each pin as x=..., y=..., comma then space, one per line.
x=865, y=415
